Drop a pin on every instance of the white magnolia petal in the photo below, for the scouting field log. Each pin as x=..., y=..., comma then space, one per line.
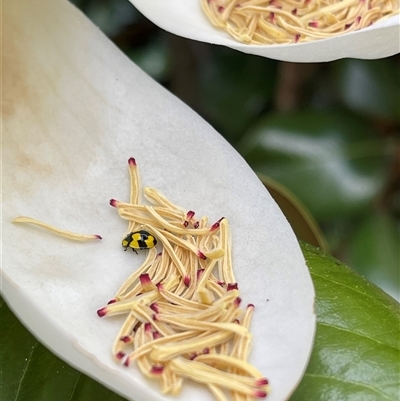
x=74, y=110
x=186, y=18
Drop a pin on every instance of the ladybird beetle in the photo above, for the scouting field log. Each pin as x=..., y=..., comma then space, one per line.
x=139, y=240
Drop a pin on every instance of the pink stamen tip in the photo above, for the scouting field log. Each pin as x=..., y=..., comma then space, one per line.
x=132, y=161
x=98, y=236
x=155, y=316
x=148, y=328
x=297, y=37
x=154, y=307
x=237, y=321
x=313, y=24
x=186, y=281
x=358, y=19
x=221, y=9
x=156, y=335
x=196, y=225
x=260, y=394
x=294, y=11
x=127, y=362
x=221, y=283
x=347, y=26
x=114, y=202
x=126, y=339
x=201, y=255
x=190, y=214
x=160, y=287
x=156, y=369
x=271, y=17
x=111, y=301
x=251, y=306
x=119, y=355
x=206, y=350
x=102, y=312
x=185, y=223
x=237, y=301
x=199, y=273
x=145, y=279
x=232, y=286
x=193, y=356
x=262, y=382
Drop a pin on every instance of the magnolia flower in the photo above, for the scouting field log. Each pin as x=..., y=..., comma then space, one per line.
x=187, y=19
x=74, y=110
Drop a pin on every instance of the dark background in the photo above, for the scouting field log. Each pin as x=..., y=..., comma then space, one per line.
x=327, y=132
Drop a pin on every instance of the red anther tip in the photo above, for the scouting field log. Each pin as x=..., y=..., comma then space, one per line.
x=313, y=24
x=193, y=356
x=132, y=161
x=102, y=312
x=156, y=335
x=260, y=394
x=186, y=281
x=214, y=226
x=201, y=255
x=185, y=223
x=120, y=355
x=199, y=273
x=147, y=327
x=237, y=301
x=190, y=214
x=98, y=236
x=145, y=278
x=206, y=350
x=111, y=301
x=127, y=361
x=271, y=17
x=113, y=202
x=155, y=307
x=232, y=286
x=262, y=382
x=251, y=306
x=237, y=321
x=358, y=19
x=196, y=225
x=155, y=316
x=221, y=9
x=294, y=12
x=221, y=283
x=297, y=37
x=160, y=287
x=157, y=369
x=126, y=339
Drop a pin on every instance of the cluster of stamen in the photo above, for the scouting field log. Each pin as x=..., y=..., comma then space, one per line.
x=287, y=21
x=182, y=306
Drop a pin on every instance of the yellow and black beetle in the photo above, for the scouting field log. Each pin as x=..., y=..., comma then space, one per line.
x=139, y=240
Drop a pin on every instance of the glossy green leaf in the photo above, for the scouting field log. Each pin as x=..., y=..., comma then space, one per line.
x=370, y=87
x=30, y=372
x=357, y=346
x=235, y=88
x=333, y=162
x=374, y=252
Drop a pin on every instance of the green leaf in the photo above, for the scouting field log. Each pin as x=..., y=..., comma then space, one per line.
x=30, y=372
x=334, y=162
x=370, y=87
x=373, y=251
x=357, y=346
